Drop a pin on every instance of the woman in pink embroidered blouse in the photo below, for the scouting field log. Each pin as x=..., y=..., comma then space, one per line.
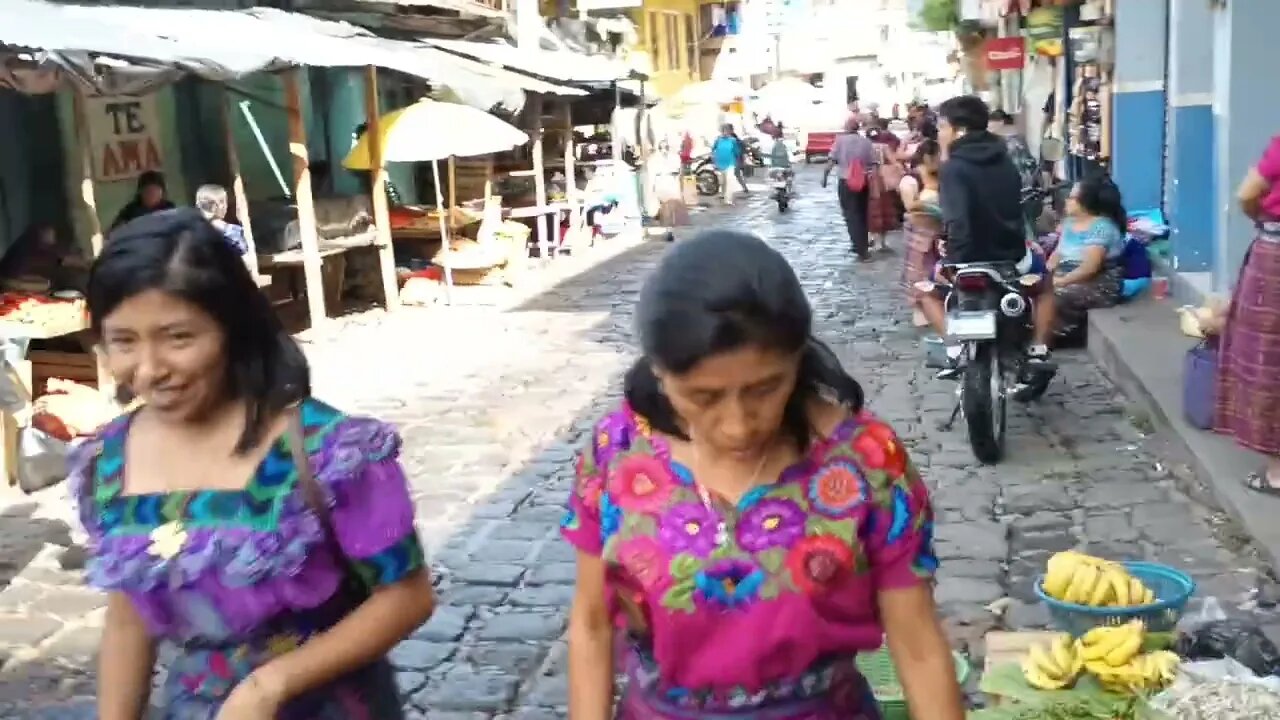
x=744, y=527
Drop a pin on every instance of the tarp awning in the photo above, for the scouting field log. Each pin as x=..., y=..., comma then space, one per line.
x=553, y=64
x=151, y=46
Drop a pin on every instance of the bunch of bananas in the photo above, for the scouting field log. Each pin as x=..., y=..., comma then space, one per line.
x=1055, y=666
x=1087, y=580
x=1144, y=673
x=1113, y=655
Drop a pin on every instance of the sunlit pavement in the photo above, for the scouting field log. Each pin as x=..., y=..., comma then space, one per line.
x=492, y=404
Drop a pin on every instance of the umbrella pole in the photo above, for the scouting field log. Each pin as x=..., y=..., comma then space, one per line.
x=444, y=235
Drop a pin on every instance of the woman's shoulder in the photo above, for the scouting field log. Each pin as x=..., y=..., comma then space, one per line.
x=866, y=441
x=340, y=444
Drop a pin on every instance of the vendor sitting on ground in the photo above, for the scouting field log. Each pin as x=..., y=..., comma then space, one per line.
x=212, y=201
x=1087, y=272
x=40, y=254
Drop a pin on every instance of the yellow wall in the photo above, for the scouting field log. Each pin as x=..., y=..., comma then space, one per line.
x=667, y=29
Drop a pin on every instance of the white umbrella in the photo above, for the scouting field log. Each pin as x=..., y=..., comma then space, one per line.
x=721, y=92
x=431, y=131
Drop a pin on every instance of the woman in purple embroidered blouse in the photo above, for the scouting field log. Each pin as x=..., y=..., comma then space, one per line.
x=280, y=591
x=744, y=528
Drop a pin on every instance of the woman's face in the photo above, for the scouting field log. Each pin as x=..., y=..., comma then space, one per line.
x=1073, y=206
x=168, y=352
x=733, y=402
x=151, y=195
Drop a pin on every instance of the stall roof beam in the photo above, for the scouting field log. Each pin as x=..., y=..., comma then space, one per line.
x=161, y=43
x=555, y=65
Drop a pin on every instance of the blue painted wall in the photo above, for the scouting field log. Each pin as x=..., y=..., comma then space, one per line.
x=1246, y=107
x=1138, y=147
x=1139, y=103
x=1192, y=204
x=1190, y=186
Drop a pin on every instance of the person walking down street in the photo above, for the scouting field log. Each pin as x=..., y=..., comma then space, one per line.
x=686, y=152
x=743, y=520
x=884, y=208
x=265, y=536
x=726, y=152
x=1248, y=387
x=922, y=224
x=853, y=156
x=739, y=170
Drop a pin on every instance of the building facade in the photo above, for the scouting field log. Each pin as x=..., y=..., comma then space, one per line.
x=1195, y=105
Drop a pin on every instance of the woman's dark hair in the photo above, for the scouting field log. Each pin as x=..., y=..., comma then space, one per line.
x=722, y=291
x=926, y=148
x=151, y=178
x=929, y=130
x=966, y=112
x=1100, y=196
x=181, y=253
x=1002, y=117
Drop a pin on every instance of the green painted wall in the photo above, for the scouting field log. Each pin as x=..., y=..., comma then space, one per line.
x=112, y=196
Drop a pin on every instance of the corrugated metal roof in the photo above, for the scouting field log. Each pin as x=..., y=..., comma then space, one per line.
x=553, y=64
x=472, y=7
x=222, y=45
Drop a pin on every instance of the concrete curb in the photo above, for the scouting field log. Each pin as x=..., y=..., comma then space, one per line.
x=1141, y=349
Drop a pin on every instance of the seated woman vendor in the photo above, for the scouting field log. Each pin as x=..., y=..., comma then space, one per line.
x=40, y=253
x=1087, y=272
x=151, y=197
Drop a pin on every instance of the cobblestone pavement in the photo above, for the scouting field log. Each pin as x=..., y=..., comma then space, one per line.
x=493, y=402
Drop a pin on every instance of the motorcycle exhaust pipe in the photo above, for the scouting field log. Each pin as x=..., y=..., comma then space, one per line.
x=1013, y=305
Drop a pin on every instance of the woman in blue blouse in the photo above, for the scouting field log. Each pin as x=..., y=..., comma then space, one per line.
x=1087, y=272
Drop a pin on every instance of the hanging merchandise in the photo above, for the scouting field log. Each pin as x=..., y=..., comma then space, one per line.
x=1088, y=114
x=1086, y=43
x=1044, y=30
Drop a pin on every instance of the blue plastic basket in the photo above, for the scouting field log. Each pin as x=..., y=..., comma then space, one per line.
x=1172, y=588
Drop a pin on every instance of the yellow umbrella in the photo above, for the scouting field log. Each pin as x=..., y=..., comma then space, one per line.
x=431, y=131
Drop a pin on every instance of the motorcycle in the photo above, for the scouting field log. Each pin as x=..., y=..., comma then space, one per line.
x=990, y=310
x=783, y=184
x=705, y=176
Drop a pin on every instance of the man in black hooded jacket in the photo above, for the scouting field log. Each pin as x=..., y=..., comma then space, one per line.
x=980, y=191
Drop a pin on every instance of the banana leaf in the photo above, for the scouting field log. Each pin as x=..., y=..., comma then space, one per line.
x=1006, y=682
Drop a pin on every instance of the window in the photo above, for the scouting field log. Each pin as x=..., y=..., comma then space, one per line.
x=691, y=42
x=671, y=25
x=655, y=47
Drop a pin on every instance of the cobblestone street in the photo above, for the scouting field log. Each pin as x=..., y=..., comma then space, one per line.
x=493, y=402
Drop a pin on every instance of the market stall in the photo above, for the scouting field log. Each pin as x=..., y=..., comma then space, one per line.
x=428, y=131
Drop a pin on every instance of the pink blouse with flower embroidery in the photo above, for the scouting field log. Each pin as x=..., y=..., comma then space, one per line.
x=775, y=614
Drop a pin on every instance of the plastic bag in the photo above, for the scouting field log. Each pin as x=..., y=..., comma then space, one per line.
x=42, y=459
x=1211, y=635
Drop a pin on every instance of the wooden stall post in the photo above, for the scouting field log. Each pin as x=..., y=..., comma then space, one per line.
x=571, y=185
x=539, y=177
x=378, y=187
x=88, y=196
x=311, y=262
x=238, y=193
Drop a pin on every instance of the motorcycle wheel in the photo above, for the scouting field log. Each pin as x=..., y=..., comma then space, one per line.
x=983, y=402
x=708, y=182
x=782, y=203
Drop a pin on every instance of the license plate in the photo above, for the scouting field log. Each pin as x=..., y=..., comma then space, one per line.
x=972, y=325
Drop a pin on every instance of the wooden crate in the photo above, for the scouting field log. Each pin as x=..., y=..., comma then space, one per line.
x=1003, y=648
x=46, y=364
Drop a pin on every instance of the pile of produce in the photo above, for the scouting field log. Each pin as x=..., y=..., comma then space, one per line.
x=1213, y=699
x=31, y=309
x=1112, y=655
x=1075, y=577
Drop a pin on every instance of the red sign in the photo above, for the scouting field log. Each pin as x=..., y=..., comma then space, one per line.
x=1005, y=53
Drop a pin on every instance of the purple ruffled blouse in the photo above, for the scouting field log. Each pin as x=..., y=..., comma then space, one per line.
x=249, y=556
